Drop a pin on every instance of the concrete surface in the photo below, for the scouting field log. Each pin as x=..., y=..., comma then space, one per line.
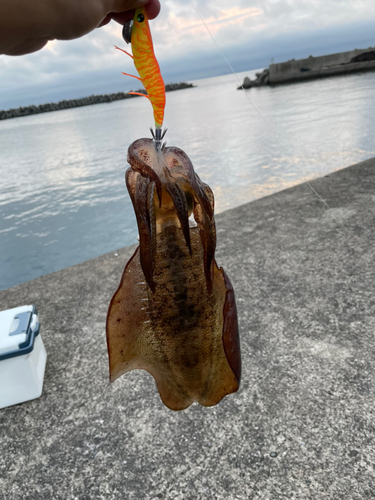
x=302, y=425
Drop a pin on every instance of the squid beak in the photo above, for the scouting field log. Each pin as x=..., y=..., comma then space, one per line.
x=127, y=31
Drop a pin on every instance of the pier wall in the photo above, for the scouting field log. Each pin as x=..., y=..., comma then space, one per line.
x=314, y=67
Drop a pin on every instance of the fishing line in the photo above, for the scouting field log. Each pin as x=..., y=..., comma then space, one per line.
x=272, y=131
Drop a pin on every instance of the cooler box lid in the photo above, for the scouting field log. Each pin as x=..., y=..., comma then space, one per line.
x=18, y=328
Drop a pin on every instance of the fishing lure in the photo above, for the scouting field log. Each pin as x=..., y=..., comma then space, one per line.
x=174, y=312
x=138, y=33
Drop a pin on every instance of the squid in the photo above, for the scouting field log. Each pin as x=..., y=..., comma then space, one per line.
x=174, y=313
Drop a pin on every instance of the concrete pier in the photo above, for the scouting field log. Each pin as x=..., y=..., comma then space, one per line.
x=297, y=70
x=301, y=426
x=317, y=67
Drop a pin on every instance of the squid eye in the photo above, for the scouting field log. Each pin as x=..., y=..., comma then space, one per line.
x=140, y=18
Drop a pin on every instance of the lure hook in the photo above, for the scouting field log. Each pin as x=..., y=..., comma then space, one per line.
x=158, y=136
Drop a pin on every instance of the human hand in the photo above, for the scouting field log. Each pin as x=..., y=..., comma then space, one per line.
x=27, y=26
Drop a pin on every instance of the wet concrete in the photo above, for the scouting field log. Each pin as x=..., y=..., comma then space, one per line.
x=302, y=424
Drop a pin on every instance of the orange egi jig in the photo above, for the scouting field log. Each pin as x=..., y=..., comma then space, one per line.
x=137, y=32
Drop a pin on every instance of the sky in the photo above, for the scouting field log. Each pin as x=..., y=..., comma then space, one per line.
x=249, y=33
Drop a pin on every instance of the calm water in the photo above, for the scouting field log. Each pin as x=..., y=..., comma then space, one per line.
x=62, y=194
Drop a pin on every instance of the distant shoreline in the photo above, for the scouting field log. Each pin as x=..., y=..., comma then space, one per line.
x=84, y=101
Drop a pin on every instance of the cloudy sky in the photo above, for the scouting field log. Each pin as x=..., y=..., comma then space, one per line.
x=249, y=32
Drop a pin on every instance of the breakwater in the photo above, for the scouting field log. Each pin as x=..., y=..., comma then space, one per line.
x=84, y=101
x=314, y=67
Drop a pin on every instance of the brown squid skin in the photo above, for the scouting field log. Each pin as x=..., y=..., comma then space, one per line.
x=174, y=313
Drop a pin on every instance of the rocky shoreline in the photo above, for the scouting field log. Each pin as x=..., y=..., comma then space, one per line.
x=84, y=101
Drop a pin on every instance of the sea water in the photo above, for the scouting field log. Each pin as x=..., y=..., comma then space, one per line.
x=62, y=193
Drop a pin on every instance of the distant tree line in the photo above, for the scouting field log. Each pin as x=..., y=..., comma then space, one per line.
x=84, y=101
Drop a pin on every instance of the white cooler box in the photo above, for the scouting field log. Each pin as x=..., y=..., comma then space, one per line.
x=22, y=356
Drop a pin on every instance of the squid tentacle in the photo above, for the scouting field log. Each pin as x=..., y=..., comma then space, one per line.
x=179, y=199
x=138, y=165
x=194, y=184
x=208, y=239
x=138, y=188
x=152, y=214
